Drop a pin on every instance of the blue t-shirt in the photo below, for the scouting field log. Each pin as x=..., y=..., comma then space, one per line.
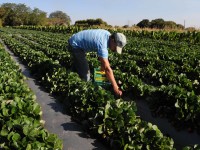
x=94, y=40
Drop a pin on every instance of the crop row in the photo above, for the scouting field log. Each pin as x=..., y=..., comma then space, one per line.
x=145, y=78
x=107, y=117
x=189, y=37
x=166, y=73
x=170, y=78
x=21, y=126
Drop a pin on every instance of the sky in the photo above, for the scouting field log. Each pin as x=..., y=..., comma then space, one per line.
x=121, y=12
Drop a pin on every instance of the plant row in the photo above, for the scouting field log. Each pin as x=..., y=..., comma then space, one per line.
x=188, y=36
x=21, y=126
x=111, y=119
x=168, y=79
x=168, y=99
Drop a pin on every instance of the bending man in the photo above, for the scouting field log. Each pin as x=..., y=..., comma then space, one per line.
x=96, y=40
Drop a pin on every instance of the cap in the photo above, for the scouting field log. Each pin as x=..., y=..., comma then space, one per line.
x=121, y=42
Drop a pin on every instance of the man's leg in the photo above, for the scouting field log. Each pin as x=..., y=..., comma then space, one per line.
x=81, y=65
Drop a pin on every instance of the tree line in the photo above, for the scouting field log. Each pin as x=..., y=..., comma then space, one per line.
x=91, y=22
x=12, y=14
x=159, y=24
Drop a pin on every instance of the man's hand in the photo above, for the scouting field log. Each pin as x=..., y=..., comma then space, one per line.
x=117, y=91
x=105, y=65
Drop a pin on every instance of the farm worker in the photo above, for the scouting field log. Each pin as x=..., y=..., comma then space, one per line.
x=96, y=40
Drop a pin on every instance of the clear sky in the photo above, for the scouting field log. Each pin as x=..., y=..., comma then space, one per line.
x=122, y=12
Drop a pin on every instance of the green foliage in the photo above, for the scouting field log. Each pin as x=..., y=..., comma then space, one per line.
x=62, y=17
x=112, y=119
x=12, y=14
x=159, y=24
x=37, y=17
x=166, y=74
x=145, y=23
x=19, y=14
x=90, y=22
x=20, y=115
x=195, y=147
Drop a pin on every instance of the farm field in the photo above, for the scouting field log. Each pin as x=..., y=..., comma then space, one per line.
x=160, y=68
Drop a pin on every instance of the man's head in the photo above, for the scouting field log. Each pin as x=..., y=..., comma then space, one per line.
x=117, y=42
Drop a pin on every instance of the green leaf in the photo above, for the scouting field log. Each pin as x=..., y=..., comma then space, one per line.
x=13, y=110
x=4, y=132
x=16, y=137
x=187, y=148
x=33, y=132
x=3, y=104
x=19, y=104
x=148, y=147
x=36, y=109
x=155, y=127
x=100, y=129
x=177, y=105
x=107, y=107
x=7, y=89
x=26, y=130
x=51, y=138
x=44, y=134
x=15, y=144
x=28, y=147
x=10, y=135
x=119, y=103
x=5, y=112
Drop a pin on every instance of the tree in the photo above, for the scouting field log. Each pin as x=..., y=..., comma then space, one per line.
x=8, y=14
x=22, y=14
x=99, y=21
x=91, y=22
x=12, y=14
x=125, y=26
x=1, y=23
x=179, y=26
x=59, y=18
x=144, y=23
x=170, y=25
x=37, y=17
x=158, y=23
x=2, y=14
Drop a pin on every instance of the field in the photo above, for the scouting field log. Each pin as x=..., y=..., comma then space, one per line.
x=159, y=67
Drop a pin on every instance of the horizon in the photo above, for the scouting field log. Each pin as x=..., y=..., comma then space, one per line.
x=120, y=13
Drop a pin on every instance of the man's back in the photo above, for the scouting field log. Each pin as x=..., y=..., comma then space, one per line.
x=92, y=40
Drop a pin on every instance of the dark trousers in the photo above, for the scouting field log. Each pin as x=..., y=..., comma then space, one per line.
x=80, y=63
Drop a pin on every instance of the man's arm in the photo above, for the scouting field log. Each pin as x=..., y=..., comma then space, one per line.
x=105, y=66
